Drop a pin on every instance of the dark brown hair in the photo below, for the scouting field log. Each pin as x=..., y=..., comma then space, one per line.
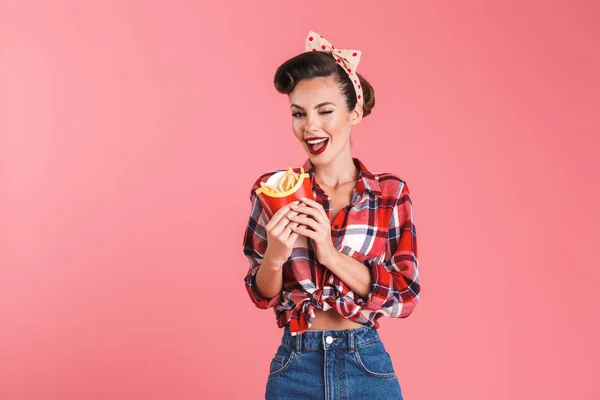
x=321, y=64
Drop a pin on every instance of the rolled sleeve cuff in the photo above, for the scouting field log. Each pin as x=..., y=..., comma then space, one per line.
x=381, y=285
x=259, y=301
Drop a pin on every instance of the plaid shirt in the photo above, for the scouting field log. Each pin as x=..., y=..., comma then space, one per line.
x=376, y=229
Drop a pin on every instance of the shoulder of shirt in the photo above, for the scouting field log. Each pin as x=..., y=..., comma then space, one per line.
x=391, y=185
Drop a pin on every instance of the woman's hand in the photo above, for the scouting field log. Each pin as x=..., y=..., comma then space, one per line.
x=280, y=237
x=314, y=224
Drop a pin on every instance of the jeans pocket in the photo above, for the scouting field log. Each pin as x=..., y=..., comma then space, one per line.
x=374, y=360
x=281, y=360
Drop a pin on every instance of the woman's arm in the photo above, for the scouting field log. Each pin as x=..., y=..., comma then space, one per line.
x=395, y=286
x=269, y=278
x=264, y=280
x=391, y=288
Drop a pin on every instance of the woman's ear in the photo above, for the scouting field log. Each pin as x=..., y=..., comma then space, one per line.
x=356, y=115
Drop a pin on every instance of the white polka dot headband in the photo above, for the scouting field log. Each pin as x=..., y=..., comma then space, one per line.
x=348, y=59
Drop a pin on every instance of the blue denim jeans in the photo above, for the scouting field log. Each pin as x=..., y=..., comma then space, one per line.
x=338, y=364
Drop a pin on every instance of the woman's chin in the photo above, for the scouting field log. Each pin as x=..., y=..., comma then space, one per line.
x=321, y=159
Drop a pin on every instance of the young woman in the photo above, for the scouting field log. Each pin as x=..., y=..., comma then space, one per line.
x=331, y=266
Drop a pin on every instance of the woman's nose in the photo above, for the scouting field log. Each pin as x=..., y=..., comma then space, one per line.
x=312, y=124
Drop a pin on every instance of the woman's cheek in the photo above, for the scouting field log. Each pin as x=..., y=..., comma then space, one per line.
x=297, y=125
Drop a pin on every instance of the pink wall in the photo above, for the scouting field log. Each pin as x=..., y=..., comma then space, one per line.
x=121, y=272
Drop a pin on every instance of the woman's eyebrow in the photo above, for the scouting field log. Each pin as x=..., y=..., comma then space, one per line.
x=317, y=106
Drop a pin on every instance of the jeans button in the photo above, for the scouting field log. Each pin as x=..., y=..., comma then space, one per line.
x=329, y=339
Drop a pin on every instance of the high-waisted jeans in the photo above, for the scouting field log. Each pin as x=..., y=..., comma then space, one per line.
x=334, y=364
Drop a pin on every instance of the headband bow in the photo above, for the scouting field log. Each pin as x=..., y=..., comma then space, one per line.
x=348, y=59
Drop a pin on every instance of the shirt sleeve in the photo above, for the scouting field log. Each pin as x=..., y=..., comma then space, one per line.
x=395, y=288
x=255, y=245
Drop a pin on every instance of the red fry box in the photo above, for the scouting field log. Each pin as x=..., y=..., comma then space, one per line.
x=272, y=202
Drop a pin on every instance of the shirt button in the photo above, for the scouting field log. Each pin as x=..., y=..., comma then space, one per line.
x=335, y=227
x=329, y=339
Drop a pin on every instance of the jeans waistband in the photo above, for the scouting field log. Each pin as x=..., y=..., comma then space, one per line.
x=330, y=339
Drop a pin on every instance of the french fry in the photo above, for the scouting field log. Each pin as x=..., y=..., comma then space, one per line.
x=290, y=180
x=282, y=182
x=283, y=188
x=294, y=178
x=287, y=182
x=268, y=187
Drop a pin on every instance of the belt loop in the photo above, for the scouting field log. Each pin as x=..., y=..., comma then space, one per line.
x=351, y=341
x=299, y=343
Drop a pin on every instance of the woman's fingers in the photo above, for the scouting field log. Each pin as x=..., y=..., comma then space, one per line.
x=283, y=223
x=287, y=231
x=291, y=239
x=308, y=221
x=276, y=218
x=314, y=213
x=304, y=231
x=316, y=206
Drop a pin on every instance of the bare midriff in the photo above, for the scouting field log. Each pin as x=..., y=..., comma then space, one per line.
x=330, y=320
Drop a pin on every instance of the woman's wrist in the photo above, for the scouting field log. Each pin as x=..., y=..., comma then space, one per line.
x=332, y=259
x=269, y=263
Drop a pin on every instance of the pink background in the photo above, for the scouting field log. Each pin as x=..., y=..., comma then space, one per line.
x=131, y=133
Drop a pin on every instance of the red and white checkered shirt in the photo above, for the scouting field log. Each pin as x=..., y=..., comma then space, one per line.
x=376, y=228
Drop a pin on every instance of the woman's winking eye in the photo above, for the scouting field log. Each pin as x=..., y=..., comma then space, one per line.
x=301, y=114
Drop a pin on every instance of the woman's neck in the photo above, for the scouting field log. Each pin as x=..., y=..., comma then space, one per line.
x=341, y=170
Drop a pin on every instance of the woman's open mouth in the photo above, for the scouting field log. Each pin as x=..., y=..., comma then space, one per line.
x=317, y=145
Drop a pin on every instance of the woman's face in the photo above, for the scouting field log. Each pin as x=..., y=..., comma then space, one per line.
x=320, y=120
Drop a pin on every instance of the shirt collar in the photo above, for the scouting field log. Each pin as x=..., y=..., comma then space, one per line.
x=367, y=180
